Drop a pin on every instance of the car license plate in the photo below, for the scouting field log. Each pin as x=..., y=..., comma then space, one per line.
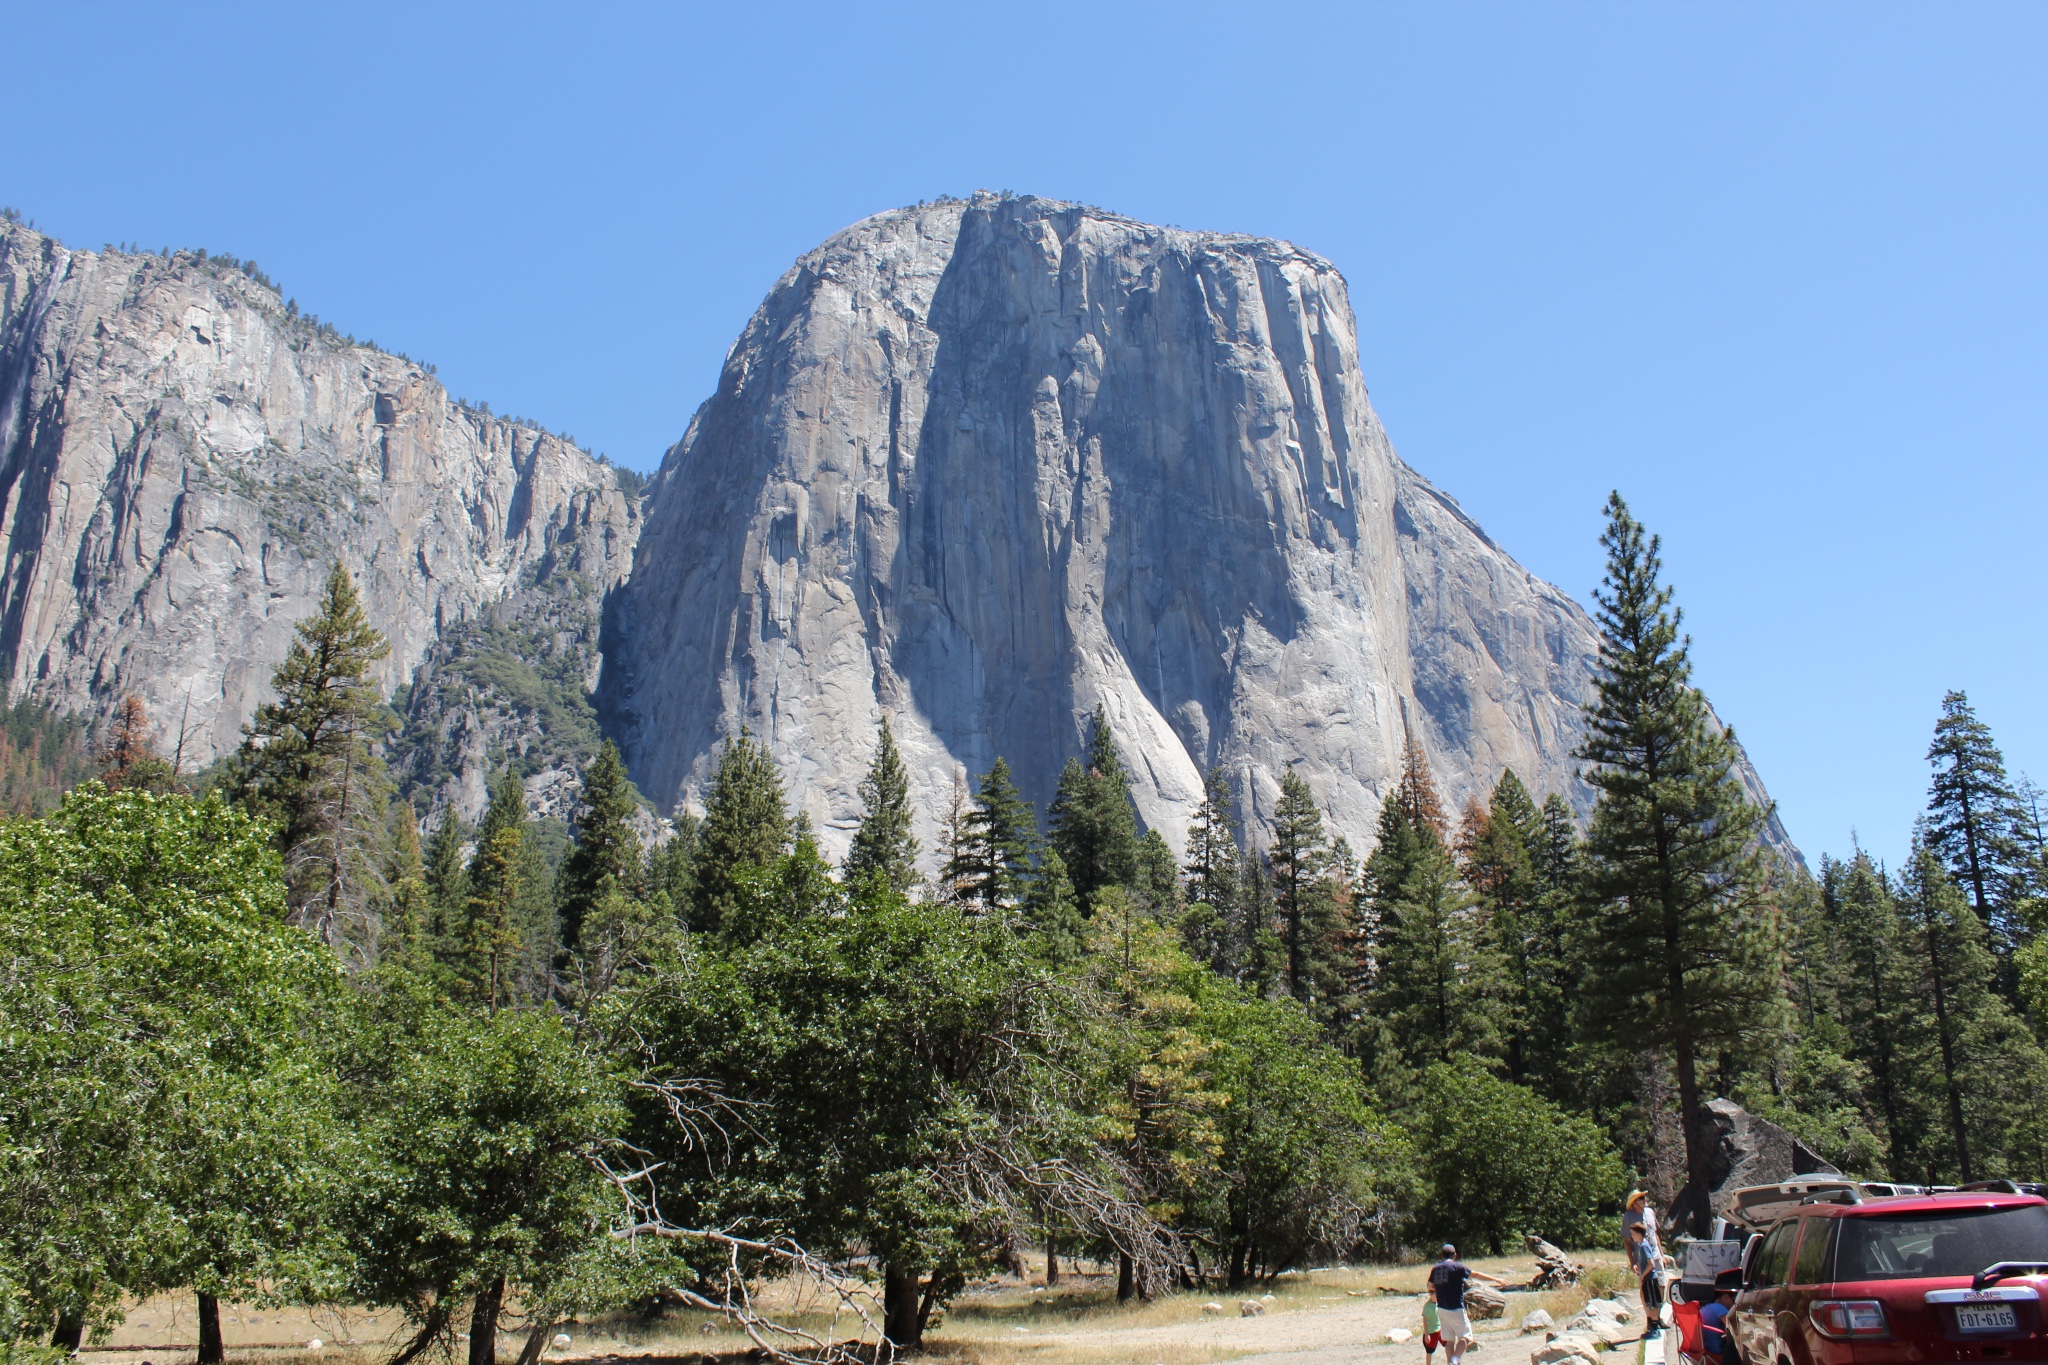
x=1985, y=1317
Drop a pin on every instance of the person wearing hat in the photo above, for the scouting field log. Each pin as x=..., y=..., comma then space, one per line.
x=1447, y=1281
x=1640, y=1211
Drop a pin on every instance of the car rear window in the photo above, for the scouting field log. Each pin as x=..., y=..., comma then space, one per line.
x=1812, y=1266
x=1917, y=1246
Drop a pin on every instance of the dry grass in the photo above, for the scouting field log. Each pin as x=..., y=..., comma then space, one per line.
x=995, y=1322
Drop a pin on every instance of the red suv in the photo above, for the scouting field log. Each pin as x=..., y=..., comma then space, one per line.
x=1930, y=1278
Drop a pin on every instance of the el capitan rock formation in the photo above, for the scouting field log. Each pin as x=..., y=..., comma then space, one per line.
x=984, y=465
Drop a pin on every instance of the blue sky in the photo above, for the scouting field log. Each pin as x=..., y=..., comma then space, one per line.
x=1776, y=272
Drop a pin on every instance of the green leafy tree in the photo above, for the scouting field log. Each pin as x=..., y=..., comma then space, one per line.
x=1499, y=1162
x=906, y=1064
x=1093, y=823
x=307, y=765
x=883, y=845
x=476, y=1174
x=161, y=1105
x=1680, y=939
x=746, y=825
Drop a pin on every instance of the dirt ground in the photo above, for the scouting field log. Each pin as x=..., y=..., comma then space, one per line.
x=1324, y=1317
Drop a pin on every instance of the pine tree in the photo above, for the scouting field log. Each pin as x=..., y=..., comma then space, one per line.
x=1157, y=885
x=1093, y=822
x=1878, y=997
x=128, y=758
x=1682, y=941
x=1974, y=816
x=1265, y=952
x=1051, y=912
x=447, y=878
x=1518, y=927
x=997, y=836
x=671, y=867
x=1305, y=900
x=491, y=944
x=402, y=938
x=746, y=825
x=1211, y=927
x=883, y=846
x=1435, y=987
x=306, y=764
x=606, y=859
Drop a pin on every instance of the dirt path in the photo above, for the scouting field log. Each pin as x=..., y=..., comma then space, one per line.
x=1342, y=1331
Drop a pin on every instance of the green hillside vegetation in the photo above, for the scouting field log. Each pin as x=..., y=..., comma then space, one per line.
x=277, y=1041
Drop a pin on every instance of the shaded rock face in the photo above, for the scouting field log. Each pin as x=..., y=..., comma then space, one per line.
x=984, y=466
x=181, y=459
x=1744, y=1150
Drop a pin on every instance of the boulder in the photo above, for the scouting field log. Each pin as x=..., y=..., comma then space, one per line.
x=561, y=1341
x=1250, y=1308
x=1743, y=1150
x=1609, y=1329
x=1212, y=1309
x=1483, y=1304
x=1396, y=1335
x=1571, y=1349
x=1554, y=1269
x=1536, y=1321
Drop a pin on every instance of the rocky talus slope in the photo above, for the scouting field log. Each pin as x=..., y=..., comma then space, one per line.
x=181, y=457
x=982, y=465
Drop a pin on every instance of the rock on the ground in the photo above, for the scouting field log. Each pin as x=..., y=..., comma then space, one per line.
x=982, y=466
x=1536, y=1321
x=1212, y=1309
x=561, y=1341
x=1397, y=1335
x=1609, y=1329
x=1554, y=1269
x=1484, y=1303
x=1573, y=1347
x=1250, y=1308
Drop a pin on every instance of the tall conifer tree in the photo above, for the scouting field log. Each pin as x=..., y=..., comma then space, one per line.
x=883, y=846
x=606, y=858
x=1305, y=902
x=306, y=763
x=1682, y=940
x=746, y=825
x=995, y=858
x=1974, y=816
x=1093, y=822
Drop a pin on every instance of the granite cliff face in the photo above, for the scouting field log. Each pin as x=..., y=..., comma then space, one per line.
x=181, y=457
x=981, y=466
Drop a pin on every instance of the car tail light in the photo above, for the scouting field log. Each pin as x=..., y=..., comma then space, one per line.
x=1850, y=1319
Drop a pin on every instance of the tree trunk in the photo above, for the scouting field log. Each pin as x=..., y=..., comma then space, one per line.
x=483, y=1324
x=900, y=1309
x=1237, y=1268
x=211, y=1351
x=536, y=1342
x=1948, y=1060
x=70, y=1333
x=1052, y=1261
x=1126, y=1281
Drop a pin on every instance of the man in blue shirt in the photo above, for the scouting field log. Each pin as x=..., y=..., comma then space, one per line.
x=1447, y=1281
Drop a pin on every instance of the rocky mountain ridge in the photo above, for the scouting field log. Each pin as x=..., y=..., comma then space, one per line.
x=181, y=457
x=979, y=466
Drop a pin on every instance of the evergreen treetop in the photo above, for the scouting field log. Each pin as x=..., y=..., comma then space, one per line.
x=883, y=845
x=1973, y=813
x=1093, y=822
x=607, y=853
x=746, y=825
